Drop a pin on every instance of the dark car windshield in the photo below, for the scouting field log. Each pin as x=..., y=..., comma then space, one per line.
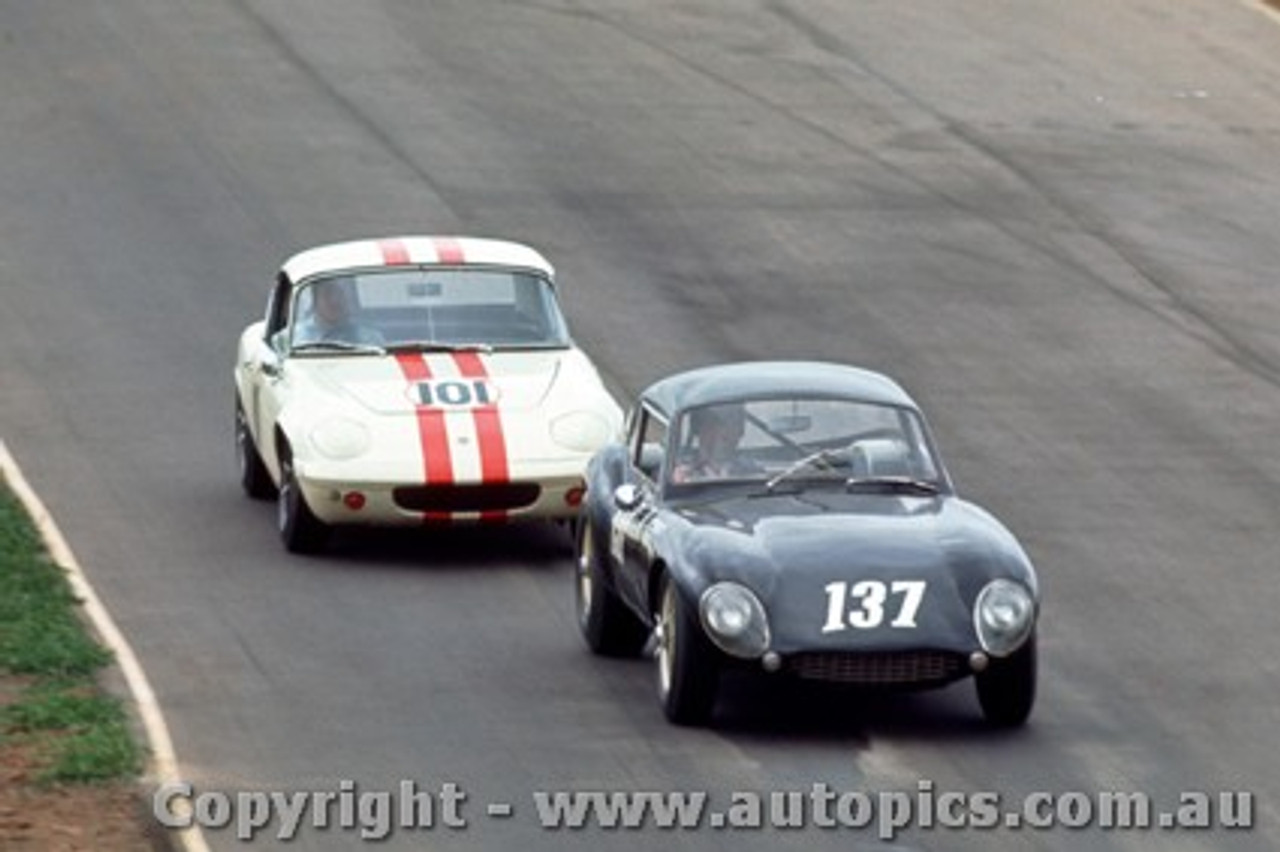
x=774, y=441
x=441, y=309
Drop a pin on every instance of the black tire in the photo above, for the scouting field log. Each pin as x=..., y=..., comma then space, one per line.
x=688, y=669
x=300, y=530
x=1007, y=689
x=254, y=477
x=608, y=626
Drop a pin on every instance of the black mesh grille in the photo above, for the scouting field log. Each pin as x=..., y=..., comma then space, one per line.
x=887, y=667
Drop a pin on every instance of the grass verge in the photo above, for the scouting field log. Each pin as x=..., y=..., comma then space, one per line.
x=55, y=711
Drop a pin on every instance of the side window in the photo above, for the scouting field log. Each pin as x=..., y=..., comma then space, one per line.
x=648, y=444
x=631, y=427
x=278, y=306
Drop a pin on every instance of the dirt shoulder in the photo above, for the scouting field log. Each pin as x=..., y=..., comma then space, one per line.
x=69, y=752
x=90, y=817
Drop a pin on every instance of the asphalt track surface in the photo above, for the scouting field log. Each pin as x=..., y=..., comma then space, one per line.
x=1055, y=223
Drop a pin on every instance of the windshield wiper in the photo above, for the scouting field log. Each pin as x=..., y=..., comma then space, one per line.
x=903, y=483
x=526, y=347
x=339, y=346
x=438, y=346
x=820, y=458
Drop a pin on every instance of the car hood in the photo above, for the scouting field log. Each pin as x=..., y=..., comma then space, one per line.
x=792, y=548
x=515, y=381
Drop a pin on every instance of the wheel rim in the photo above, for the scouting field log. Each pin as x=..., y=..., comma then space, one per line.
x=586, y=586
x=666, y=635
x=284, y=506
x=242, y=448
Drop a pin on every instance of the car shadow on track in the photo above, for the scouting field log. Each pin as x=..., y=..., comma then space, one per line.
x=536, y=545
x=788, y=710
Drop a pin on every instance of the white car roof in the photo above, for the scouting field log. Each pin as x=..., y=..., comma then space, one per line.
x=413, y=251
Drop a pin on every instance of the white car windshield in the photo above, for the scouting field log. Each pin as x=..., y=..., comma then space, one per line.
x=485, y=308
x=774, y=441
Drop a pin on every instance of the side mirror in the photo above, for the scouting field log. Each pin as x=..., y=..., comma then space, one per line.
x=651, y=457
x=268, y=359
x=627, y=496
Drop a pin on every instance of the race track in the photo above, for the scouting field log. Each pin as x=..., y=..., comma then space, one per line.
x=1055, y=223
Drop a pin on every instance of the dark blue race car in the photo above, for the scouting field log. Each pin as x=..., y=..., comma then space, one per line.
x=794, y=518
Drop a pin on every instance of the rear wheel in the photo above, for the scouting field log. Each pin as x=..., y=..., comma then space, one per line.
x=1007, y=689
x=607, y=625
x=253, y=473
x=300, y=530
x=688, y=671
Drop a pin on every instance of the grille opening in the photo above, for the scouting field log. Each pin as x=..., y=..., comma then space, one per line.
x=885, y=668
x=467, y=498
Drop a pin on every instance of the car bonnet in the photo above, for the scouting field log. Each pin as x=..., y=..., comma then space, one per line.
x=402, y=383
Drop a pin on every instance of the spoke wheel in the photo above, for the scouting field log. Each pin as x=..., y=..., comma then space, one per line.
x=300, y=530
x=254, y=478
x=688, y=671
x=607, y=625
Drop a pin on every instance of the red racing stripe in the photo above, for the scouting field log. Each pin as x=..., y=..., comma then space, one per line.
x=437, y=463
x=449, y=250
x=394, y=252
x=493, y=443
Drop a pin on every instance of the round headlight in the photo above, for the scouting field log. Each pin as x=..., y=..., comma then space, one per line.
x=580, y=431
x=735, y=620
x=340, y=438
x=1003, y=615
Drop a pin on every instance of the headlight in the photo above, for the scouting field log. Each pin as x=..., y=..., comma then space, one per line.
x=340, y=438
x=735, y=620
x=1003, y=615
x=580, y=431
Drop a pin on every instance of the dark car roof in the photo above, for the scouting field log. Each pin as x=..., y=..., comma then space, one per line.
x=757, y=379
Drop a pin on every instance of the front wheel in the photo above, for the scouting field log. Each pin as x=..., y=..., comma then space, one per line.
x=1007, y=689
x=688, y=671
x=254, y=478
x=300, y=530
x=609, y=628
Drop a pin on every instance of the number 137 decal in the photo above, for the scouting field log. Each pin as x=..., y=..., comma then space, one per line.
x=863, y=605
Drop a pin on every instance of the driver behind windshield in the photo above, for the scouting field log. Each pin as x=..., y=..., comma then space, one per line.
x=711, y=452
x=333, y=316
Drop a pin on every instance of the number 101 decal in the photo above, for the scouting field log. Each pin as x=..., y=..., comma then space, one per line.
x=862, y=606
x=455, y=392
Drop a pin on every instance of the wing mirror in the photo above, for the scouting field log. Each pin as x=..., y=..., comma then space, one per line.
x=651, y=458
x=268, y=359
x=627, y=496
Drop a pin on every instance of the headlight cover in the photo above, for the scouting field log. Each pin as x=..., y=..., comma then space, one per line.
x=580, y=431
x=735, y=619
x=340, y=438
x=1003, y=615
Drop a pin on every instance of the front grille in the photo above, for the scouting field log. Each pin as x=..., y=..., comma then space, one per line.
x=879, y=668
x=467, y=498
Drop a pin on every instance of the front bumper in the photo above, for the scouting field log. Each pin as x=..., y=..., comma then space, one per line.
x=407, y=503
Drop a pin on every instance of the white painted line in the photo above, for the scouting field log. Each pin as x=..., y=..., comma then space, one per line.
x=164, y=762
x=1265, y=8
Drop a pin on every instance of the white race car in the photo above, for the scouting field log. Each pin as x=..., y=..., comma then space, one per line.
x=415, y=380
